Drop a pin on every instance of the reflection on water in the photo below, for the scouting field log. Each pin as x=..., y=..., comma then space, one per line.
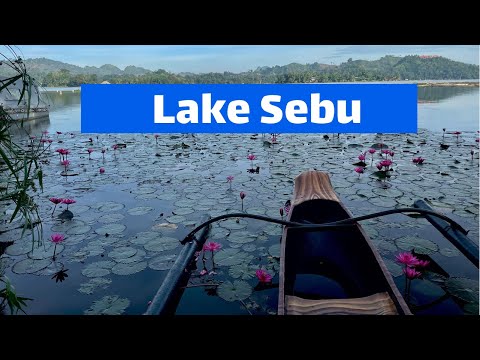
x=440, y=93
x=33, y=126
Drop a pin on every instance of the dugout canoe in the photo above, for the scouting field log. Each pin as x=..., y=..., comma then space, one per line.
x=333, y=271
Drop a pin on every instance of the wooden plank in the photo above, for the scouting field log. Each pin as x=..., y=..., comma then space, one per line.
x=377, y=304
x=312, y=185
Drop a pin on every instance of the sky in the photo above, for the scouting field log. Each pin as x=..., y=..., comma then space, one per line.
x=234, y=58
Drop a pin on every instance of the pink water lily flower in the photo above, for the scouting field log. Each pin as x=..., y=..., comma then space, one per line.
x=230, y=178
x=386, y=163
x=418, y=160
x=90, y=150
x=56, y=200
x=68, y=202
x=102, y=170
x=57, y=238
x=407, y=259
x=251, y=157
x=263, y=276
x=361, y=157
x=359, y=170
x=212, y=246
x=379, y=166
x=411, y=273
x=242, y=195
x=372, y=151
x=422, y=263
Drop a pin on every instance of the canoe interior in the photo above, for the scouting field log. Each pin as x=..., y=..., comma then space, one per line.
x=330, y=264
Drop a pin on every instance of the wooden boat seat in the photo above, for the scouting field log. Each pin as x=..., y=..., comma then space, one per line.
x=376, y=304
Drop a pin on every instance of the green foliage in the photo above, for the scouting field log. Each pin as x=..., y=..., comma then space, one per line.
x=412, y=67
x=9, y=296
x=19, y=166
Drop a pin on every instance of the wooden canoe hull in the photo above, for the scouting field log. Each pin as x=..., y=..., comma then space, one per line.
x=336, y=271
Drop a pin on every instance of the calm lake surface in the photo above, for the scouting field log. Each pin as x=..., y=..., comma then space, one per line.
x=455, y=108
x=152, y=192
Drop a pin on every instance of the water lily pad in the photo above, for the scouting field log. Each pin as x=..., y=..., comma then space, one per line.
x=387, y=246
x=20, y=247
x=234, y=224
x=64, y=226
x=79, y=230
x=143, y=190
x=183, y=211
x=129, y=269
x=274, y=250
x=428, y=289
x=162, y=244
x=241, y=237
x=123, y=252
x=273, y=230
x=242, y=271
x=139, y=256
x=383, y=202
x=5, y=263
x=419, y=245
x=390, y=192
x=143, y=237
x=395, y=269
x=98, y=269
x=463, y=288
x=231, y=256
x=111, y=229
x=94, y=284
x=140, y=210
x=238, y=290
x=111, y=218
x=45, y=252
x=29, y=266
x=108, y=305
x=162, y=262
x=185, y=203
x=249, y=247
x=449, y=252
x=109, y=206
x=176, y=219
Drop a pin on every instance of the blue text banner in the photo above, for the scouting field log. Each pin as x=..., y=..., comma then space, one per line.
x=249, y=108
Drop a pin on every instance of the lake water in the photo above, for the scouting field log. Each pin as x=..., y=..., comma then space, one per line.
x=454, y=108
x=152, y=191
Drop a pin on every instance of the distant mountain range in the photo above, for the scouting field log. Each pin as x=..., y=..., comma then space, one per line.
x=412, y=67
x=43, y=66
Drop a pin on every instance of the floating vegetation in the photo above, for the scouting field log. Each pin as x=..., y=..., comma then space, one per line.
x=133, y=216
x=236, y=291
x=30, y=266
x=419, y=245
x=162, y=262
x=129, y=269
x=462, y=288
x=108, y=305
x=94, y=284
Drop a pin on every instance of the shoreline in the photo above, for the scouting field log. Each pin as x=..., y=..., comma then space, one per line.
x=459, y=84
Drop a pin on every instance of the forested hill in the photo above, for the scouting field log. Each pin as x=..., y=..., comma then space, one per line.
x=413, y=67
